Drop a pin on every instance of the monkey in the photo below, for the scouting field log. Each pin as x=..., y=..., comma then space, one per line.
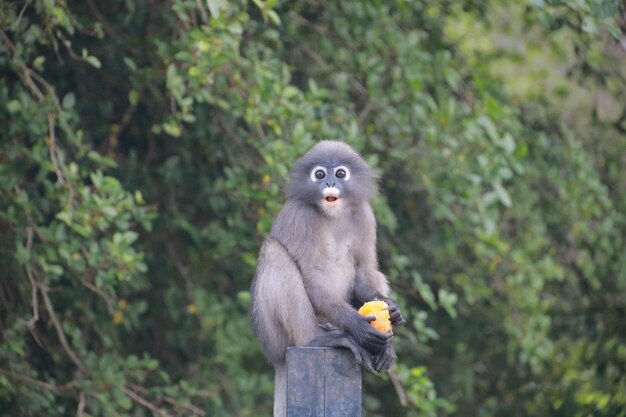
x=319, y=264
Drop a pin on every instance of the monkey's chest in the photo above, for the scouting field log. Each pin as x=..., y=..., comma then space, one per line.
x=338, y=263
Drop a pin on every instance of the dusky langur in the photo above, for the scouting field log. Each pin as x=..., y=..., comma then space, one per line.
x=319, y=264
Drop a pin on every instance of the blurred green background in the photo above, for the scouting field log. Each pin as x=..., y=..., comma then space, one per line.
x=144, y=146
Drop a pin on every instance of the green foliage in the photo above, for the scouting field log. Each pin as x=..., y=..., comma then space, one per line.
x=145, y=146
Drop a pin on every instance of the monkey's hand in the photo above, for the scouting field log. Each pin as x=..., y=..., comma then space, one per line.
x=383, y=360
x=366, y=335
x=395, y=315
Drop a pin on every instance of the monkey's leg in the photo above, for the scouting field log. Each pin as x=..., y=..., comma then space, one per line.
x=282, y=313
x=329, y=336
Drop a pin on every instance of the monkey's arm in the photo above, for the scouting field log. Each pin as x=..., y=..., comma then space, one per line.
x=363, y=292
x=371, y=284
x=340, y=313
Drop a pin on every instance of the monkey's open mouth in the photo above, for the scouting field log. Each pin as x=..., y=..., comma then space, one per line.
x=331, y=196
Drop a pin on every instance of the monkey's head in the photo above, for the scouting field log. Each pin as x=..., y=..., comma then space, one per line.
x=332, y=176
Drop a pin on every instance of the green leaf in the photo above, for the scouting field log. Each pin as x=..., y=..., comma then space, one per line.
x=124, y=402
x=133, y=97
x=490, y=128
x=93, y=61
x=612, y=29
x=273, y=16
x=103, y=160
x=130, y=236
x=508, y=143
x=139, y=197
x=39, y=62
x=52, y=269
x=69, y=100
x=589, y=24
x=109, y=211
x=22, y=255
x=502, y=194
x=448, y=301
x=151, y=364
x=172, y=128
x=6, y=384
x=290, y=91
x=13, y=106
x=130, y=63
x=216, y=7
x=142, y=267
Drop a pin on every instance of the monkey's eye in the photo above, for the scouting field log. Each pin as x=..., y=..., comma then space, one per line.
x=342, y=173
x=318, y=174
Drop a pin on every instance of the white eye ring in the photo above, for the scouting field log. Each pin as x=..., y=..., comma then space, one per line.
x=315, y=171
x=345, y=170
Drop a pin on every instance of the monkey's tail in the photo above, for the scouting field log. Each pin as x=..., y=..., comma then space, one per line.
x=280, y=390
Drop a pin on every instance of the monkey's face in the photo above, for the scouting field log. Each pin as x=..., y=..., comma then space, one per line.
x=332, y=183
x=332, y=177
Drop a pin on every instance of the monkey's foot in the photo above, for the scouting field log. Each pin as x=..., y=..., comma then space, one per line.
x=333, y=337
x=384, y=360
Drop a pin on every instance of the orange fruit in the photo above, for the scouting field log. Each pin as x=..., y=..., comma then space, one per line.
x=379, y=310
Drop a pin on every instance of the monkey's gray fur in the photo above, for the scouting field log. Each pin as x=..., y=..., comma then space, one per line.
x=319, y=263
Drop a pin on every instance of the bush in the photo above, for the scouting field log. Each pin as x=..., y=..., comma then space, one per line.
x=145, y=146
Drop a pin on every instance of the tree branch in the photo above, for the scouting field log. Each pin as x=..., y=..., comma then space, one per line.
x=203, y=13
x=59, y=328
x=397, y=385
x=171, y=400
x=150, y=406
x=53, y=150
x=46, y=385
x=195, y=410
x=19, y=17
x=33, y=285
x=80, y=410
